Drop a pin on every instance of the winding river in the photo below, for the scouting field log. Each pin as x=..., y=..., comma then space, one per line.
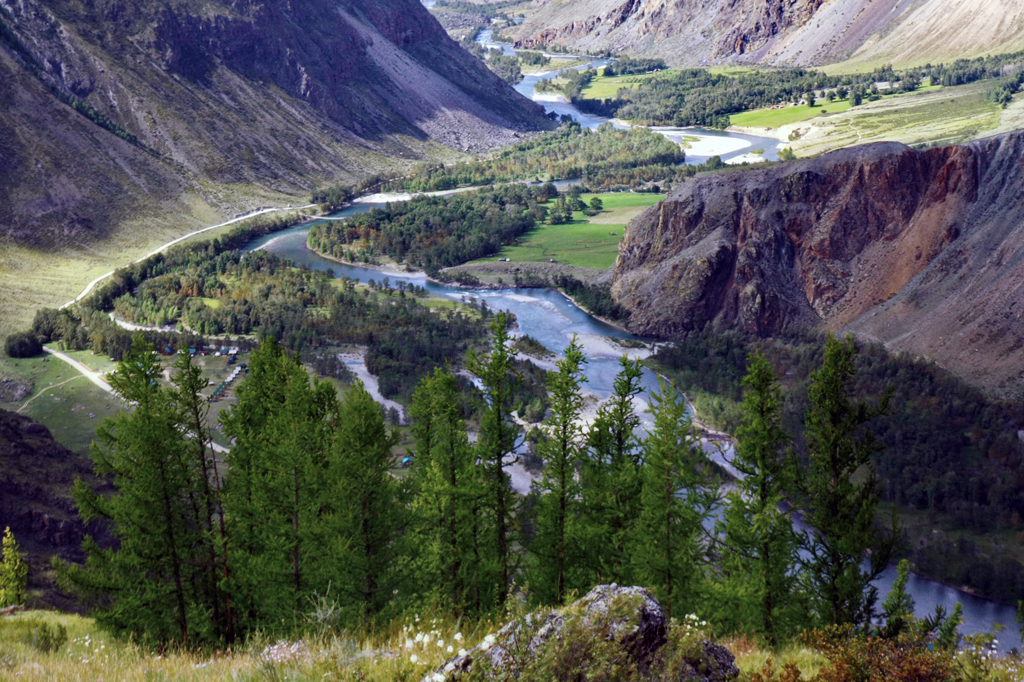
x=552, y=319
x=703, y=143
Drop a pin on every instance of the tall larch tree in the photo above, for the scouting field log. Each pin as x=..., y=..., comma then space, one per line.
x=496, y=447
x=842, y=492
x=557, y=548
x=448, y=487
x=667, y=553
x=610, y=478
x=759, y=577
x=274, y=496
x=370, y=517
x=155, y=583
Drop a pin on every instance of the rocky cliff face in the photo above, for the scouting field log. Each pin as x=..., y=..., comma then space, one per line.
x=278, y=95
x=712, y=30
x=791, y=32
x=921, y=250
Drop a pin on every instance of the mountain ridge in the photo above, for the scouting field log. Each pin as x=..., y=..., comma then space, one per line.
x=862, y=33
x=283, y=97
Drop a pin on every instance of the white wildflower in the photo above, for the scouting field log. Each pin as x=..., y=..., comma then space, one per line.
x=414, y=658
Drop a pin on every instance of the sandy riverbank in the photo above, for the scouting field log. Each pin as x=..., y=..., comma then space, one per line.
x=774, y=133
x=356, y=363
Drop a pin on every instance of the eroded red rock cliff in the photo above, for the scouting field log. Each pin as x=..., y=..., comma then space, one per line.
x=921, y=250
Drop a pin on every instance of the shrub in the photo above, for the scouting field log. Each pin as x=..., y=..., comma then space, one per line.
x=858, y=657
x=47, y=638
x=23, y=345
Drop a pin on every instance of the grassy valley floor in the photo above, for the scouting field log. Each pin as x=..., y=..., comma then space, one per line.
x=587, y=241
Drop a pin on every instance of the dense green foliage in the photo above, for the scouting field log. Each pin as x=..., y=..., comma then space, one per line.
x=632, y=65
x=310, y=516
x=759, y=545
x=435, y=232
x=675, y=501
x=558, y=543
x=948, y=452
x=162, y=582
x=602, y=157
x=698, y=97
x=257, y=293
x=964, y=71
x=23, y=344
x=596, y=299
x=610, y=479
x=507, y=67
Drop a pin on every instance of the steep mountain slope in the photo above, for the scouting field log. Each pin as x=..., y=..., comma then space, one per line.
x=281, y=95
x=36, y=476
x=921, y=250
x=790, y=32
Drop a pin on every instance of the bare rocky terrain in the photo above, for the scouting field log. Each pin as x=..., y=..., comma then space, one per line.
x=920, y=250
x=779, y=32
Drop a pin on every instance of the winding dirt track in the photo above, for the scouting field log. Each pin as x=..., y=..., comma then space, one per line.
x=92, y=284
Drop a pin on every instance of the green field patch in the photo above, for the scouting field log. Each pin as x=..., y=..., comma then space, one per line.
x=607, y=87
x=774, y=118
x=210, y=302
x=586, y=241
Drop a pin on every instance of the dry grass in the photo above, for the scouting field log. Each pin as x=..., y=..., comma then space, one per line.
x=940, y=117
x=408, y=649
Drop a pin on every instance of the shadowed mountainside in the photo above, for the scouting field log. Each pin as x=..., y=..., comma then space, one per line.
x=36, y=476
x=180, y=102
x=921, y=250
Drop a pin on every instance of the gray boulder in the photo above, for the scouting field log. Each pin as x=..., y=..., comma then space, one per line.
x=580, y=642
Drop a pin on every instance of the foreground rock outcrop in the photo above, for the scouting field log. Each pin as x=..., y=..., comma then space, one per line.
x=921, y=250
x=602, y=626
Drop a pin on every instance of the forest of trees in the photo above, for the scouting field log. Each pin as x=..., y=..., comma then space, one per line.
x=436, y=232
x=946, y=451
x=698, y=97
x=305, y=506
x=248, y=295
x=602, y=157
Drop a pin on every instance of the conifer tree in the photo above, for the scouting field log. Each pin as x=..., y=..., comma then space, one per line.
x=759, y=552
x=274, y=497
x=667, y=551
x=557, y=550
x=610, y=478
x=370, y=515
x=13, y=572
x=154, y=585
x=842, y=492
x=448, y=492
x=496, y=445
x=205, y=499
